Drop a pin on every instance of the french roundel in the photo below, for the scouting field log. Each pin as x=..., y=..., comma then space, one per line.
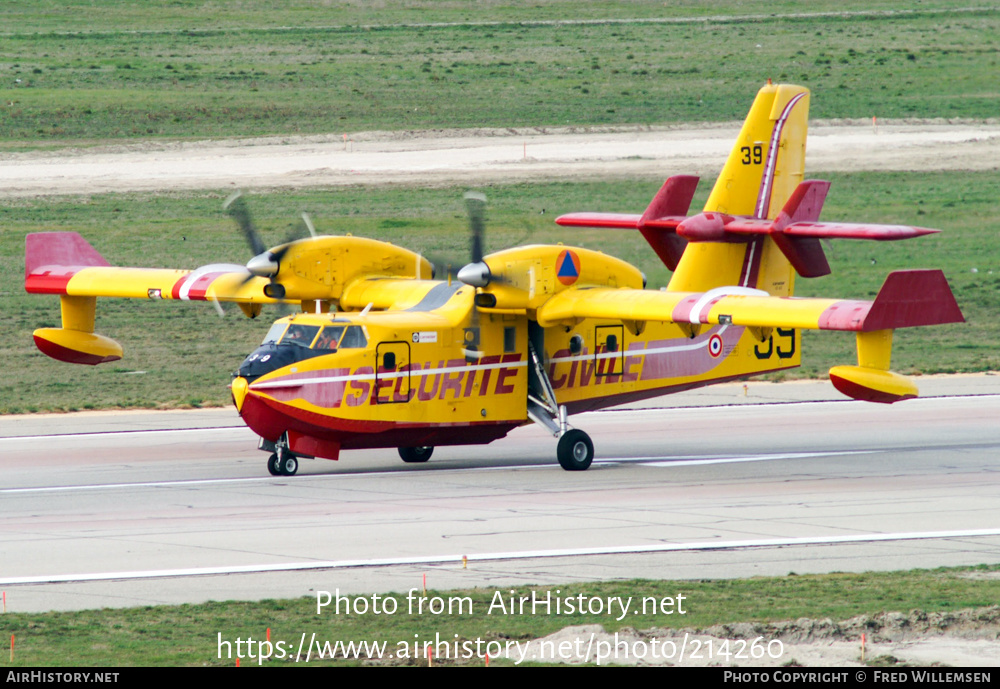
x=715, y=346
x=567, y=267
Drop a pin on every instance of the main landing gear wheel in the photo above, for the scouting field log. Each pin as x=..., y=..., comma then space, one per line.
x=575, y=450
x=415, y=455
x=272, y=465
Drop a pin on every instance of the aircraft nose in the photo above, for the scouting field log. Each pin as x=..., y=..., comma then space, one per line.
x=239, y=388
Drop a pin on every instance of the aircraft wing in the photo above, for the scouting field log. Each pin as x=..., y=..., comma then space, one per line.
x=222, y=282
x=64, y=263
x=907, y=299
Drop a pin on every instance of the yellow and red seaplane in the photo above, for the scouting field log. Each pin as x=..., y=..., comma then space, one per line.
x=382, y=355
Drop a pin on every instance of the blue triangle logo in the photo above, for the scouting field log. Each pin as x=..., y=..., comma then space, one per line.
x=567, y=269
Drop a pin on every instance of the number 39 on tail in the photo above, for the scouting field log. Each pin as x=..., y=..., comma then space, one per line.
x=383, y=355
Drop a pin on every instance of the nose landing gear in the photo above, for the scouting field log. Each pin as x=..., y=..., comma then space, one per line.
x=281, y=462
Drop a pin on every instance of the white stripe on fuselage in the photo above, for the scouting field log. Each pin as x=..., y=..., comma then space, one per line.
x=687, y=347
x=386, y=376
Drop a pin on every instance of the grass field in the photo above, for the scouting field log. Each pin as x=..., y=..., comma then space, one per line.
x=112, y=70
x=109, y=70
x=189, y=634
x=182, y=353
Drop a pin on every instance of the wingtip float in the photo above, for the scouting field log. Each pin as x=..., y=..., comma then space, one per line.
x=384, y=356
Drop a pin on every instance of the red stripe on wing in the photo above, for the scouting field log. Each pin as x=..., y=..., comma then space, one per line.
x=200, y=286
x=50, y=279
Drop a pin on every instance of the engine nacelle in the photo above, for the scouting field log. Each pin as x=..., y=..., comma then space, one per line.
x=320, y=268
x=526, y=277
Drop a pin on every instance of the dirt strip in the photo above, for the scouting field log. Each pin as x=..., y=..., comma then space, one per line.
x=437, y=158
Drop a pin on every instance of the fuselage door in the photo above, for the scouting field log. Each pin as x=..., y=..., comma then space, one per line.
x=609, y=351
x=392, y=372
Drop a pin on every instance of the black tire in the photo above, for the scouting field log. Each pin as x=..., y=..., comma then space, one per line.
x=288, y=464
x=575, y=450
x=272, y=465
x=415, y=455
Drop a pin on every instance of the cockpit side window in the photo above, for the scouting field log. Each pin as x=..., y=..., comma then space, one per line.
x=301, y=335
x=329, y=337
x=354, y=338
x=274, y=333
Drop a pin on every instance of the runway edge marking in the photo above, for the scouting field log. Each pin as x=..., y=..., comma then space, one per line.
x=512, y=555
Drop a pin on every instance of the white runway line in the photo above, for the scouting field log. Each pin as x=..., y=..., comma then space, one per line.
x=695, y=409
x=147, y=484
x=696, y=461
x=681, y=461
x=513, y=555
x=136, y=431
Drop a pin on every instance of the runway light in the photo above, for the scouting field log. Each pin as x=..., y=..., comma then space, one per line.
x=425, y=583
x=465, y=562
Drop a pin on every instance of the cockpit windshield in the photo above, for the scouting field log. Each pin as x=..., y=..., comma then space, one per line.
x=326, y=338
x=329, y=337
x=300, y=335
x=274, y=333
x=354, y=338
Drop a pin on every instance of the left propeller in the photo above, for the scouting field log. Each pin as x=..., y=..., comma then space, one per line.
x=265, y=263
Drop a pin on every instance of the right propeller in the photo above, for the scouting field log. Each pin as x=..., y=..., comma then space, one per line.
x=476, y=273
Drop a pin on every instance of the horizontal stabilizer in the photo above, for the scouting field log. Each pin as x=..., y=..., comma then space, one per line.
x=658, y=224
x=614, y=221
x=845, y=230
x=796, y=231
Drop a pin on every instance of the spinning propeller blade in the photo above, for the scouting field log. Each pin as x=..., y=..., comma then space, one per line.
x=265, y=262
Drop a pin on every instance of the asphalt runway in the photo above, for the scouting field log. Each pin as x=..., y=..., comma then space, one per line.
x=144, y=508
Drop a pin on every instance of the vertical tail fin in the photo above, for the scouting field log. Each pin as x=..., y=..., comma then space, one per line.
x=766, y=164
